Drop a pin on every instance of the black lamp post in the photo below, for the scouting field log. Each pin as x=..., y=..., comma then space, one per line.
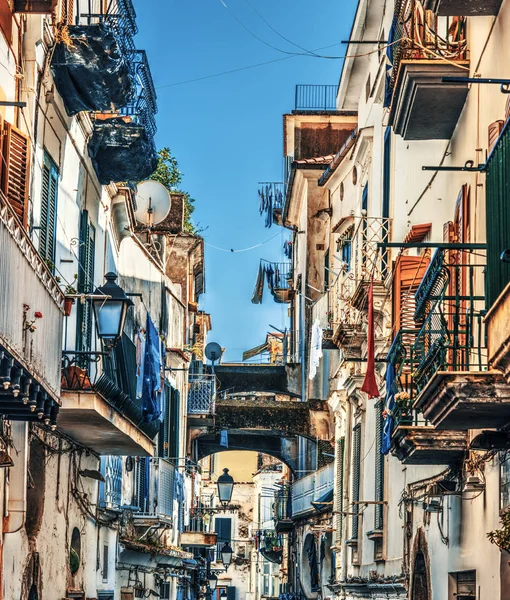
x=225, y=485
x=111, y=311
x=226, y=555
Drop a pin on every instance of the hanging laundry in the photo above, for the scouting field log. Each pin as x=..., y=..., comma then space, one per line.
x=224, y=438
x=370, y=384
x=258, y=292
x=270, y=277
x=315, y=349
x=151, y=388
x=388, y=409
x=140, y=359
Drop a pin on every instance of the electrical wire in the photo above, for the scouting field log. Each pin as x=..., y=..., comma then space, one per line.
x=242, y=249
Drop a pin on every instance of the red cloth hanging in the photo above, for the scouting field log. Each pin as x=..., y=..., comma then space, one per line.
x=370, y=384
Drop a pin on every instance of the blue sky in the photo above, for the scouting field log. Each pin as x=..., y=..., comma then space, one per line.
x=226, y=132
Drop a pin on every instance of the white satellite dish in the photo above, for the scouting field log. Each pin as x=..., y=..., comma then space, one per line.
x=152, y=203
x=213, y=351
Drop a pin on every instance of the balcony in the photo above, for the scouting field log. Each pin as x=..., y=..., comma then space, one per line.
x=447, y=357
x=498, y=333
x=272, y=201
x=93, y=394
x=414, y=441
x=430, y=48
x=155, y=479
x=201, y=394
x=283, y=509
x=315, y=98
x=110, y=490
x=31, y=321
x=466, y=8
x=314, y=492
x=279, y=279
x=362, y=263
x=198, y=535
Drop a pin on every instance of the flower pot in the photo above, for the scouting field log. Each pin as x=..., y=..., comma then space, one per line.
x=68, y=304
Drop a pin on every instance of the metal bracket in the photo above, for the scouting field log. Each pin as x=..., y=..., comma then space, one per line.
x=469, y=166
x=9, y=103
x=503, y=83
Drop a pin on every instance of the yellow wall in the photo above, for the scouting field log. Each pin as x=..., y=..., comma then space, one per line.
x=241, y=465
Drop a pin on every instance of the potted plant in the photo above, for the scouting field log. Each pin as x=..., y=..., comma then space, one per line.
x=69, y=291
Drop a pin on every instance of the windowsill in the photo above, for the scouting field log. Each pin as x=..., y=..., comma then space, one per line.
x=376, y=534
x=353, y=542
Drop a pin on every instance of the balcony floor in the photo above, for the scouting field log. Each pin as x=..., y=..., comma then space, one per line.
x=460, y=401
x=424, y=108
x=87, y=418
x=198, y=539
x=423, y=445
x=464, y=8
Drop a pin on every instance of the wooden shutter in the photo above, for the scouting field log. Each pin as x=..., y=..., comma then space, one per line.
x=175, y=416
x=494, y=130
x=339, y=489
x=409, y=271
x=85, y=281
x=356, y=479
x=164, y=433
x=35, y=6
x=48, y=224
x=379, y=467
x=15, y=180
x=231, y=592
x=141, y=498
x=6, y=20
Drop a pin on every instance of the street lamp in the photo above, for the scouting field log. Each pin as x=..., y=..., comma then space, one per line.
x=213, y=581
x=225, y=485
x=226, y=555
x=110, y=312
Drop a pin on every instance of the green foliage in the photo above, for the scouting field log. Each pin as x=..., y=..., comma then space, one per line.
x=501, y=537
x=167, y=173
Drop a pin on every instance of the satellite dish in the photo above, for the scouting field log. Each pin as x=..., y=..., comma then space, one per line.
x=152, y=202
x=213, y=351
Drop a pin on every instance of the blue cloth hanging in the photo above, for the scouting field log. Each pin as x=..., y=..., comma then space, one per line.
x=224, y=438
x=151, y=388
x=388, y=92
x=179, y=496
x=390, y=407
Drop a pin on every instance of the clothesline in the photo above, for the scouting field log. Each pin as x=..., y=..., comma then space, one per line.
x=243, y=249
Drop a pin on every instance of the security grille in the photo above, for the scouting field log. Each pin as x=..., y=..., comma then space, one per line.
x=201, y=395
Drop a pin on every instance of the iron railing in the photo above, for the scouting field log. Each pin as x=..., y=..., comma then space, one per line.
x=279, y=275
x=96, y=372
x=282, y=507
x=419, y=34
x=110, y=490
x=361, y=262
x=201, y=394
x=154, y=493
x=272, y=201
x=315, y=97
x=450, y=306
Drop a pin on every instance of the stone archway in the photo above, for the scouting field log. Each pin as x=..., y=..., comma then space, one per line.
x=420, y=577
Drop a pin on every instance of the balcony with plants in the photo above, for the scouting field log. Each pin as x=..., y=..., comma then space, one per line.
x=361, y=264
x=441, y=370
x=423, y=49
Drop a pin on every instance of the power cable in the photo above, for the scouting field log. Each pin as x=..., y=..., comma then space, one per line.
x=243, y=249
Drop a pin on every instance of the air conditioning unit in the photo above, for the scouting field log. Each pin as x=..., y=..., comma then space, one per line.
x=432, y=505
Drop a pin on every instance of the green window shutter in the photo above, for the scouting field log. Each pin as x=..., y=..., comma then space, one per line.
x=175, y=417
x=164, y=435
x=498, y=217
x=379, y=467
x=85, y=281
x=356, y=477
x=339, y=491
x=48, y=225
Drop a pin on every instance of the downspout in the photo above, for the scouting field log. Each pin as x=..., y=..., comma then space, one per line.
x=16, y=490
x=345, y=502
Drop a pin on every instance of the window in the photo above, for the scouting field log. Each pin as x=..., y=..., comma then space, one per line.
x=48, y=223
x=326, y=270
x=15, y=169
x=462, y=585
x=85, y=282
x=223, y=527
x=199, y=283
x=356, y=480
x=75, y=551
x=339, y=491
x=379, y=466
x=141, y=491
x=386, y=191
x=164, y=590
x=105, y=563
x=504, y=485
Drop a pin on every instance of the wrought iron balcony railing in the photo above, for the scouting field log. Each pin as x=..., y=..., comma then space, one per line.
x=315, y=97
x=110, y=490
x=451, y=308
x=154, y=494
x=201, y=394
x=418, y=34
x=362, y=263
x=282, y=504
x=96, y=372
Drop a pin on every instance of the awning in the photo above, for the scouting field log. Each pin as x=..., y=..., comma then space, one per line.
x=190, y=564
x=324, y=502
x=255, y=351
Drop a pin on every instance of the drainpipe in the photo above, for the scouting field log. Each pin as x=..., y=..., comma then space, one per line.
x=347, y=482
x=16, y=490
